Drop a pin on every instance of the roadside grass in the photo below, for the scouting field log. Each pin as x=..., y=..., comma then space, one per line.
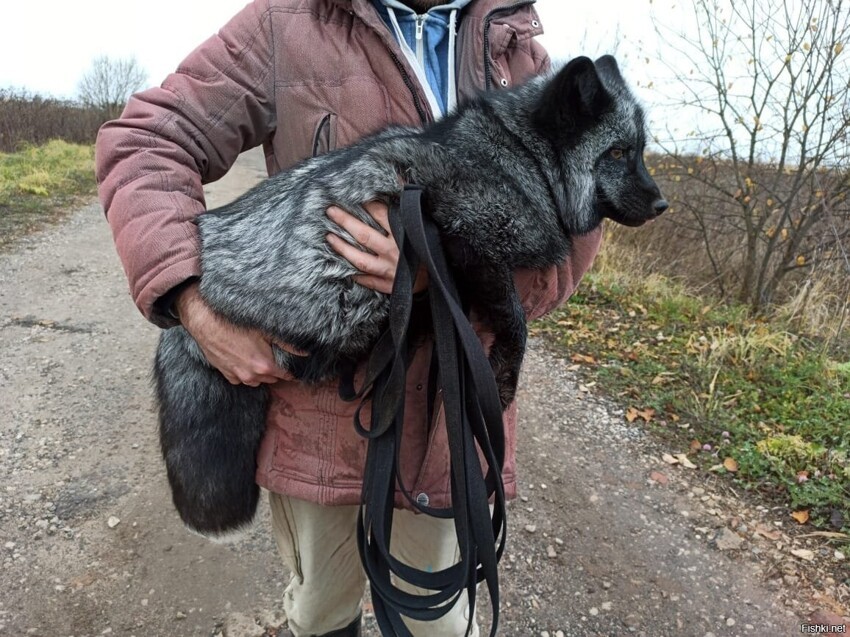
x=742, y=396
x=38, y=182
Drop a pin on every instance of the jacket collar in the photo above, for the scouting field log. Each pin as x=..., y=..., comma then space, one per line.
x=477, y=8
x=478, y=14
x=448, y=5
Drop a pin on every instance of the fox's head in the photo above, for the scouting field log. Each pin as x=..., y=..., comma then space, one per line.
x=597, y=129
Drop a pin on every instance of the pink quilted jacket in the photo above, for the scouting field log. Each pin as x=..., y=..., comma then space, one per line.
x=303, y=77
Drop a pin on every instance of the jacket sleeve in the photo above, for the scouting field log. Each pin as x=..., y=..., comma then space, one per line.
x=541, y=291
x=151, y=163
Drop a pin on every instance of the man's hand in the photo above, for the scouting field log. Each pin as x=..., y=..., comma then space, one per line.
x=378, y=258
x=243, y=356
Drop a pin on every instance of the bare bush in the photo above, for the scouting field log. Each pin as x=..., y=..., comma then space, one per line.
x=30, y=118
x=761, y=178
x=108, y=84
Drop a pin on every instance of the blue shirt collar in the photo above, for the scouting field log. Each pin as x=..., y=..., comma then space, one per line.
x=448, y=6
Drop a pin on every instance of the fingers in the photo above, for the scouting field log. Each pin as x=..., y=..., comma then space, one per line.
x=243, y=356
x=379, y=268
x=379, y=211
x=377, y=283
x=376, y=254
x=291, y=349
x=255, y=371
x=364, y=234
x=376, y=265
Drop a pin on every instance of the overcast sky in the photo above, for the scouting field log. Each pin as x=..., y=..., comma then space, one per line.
x=46, y=46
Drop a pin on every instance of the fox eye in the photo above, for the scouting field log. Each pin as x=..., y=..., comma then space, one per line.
x=617, y=153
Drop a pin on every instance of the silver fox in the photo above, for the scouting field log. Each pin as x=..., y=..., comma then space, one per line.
x=508, y=179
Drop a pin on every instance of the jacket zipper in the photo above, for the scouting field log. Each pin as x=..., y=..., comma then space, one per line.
x=488, y=72
x=420, y=45
x=423, y=117
x=321, y=130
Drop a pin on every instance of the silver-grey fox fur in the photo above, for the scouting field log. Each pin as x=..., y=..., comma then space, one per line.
x=509, y=179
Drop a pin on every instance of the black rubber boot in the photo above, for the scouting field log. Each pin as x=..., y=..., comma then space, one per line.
x=352, y=630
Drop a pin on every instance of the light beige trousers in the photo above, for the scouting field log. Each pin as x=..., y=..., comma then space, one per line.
x=319, y=545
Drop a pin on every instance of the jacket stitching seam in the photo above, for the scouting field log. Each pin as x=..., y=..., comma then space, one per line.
x=239, y=55
x=216, y=119
x=327, y=82
x=325, y=17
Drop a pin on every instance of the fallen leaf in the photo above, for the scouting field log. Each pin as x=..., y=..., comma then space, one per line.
x=696, y=445
x=631, y=414
x=803, y=554
x=83, y=580
x=582, y=358
x=770, y=534
x=646, y=414
x=801, y=516
x=684, y=461
x=660, y=478
x=730, y=464
x=663, y=377
x=669, y=459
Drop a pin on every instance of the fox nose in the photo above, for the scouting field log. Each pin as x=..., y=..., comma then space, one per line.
x=660, y=205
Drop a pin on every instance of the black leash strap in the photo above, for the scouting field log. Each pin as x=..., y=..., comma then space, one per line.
x=473, y=417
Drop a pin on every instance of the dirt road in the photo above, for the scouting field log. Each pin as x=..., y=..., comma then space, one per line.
x=90, y=545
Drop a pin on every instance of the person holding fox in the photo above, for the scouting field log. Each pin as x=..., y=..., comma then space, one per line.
x=302, y=78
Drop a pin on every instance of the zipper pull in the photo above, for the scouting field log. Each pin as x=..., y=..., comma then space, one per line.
x=420, y=26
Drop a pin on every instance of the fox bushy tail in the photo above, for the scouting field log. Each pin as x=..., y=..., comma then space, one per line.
x=209, y=432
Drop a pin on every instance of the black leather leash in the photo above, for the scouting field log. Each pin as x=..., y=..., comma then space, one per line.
x=473, y=417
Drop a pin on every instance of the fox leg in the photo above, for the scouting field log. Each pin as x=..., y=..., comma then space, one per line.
x=493, y=295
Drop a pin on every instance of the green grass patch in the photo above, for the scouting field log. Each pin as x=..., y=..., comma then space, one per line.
x=717, y=384
x=38, y=181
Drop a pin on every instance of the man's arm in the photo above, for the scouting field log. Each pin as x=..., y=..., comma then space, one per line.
x=151, y=167
x=152, y=162
x=243, y=356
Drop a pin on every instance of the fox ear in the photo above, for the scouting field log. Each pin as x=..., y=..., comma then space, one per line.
x=574, y=96
x=609, y=71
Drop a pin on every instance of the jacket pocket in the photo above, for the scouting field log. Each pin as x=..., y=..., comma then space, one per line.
x=324, y=137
